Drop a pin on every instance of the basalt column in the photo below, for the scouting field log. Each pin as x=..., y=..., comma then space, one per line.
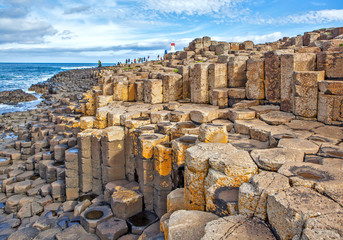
x=180, y=145
x=113, y=154
x=289, y=64
x=306, y=93
x=85, y=160
x=96, y=171
x=199, y=83
x=273, y=76
x=133, y=129
x=145, y=165
x=162, y=177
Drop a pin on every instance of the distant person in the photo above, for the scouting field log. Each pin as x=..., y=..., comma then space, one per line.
x=99, y=64
x=165, y=52
x=158, y=57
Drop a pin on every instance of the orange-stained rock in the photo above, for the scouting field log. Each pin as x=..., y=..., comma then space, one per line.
x=121, y=90
x=213, y=133
x=163, y=159
x=147, y=142
x=87, y=122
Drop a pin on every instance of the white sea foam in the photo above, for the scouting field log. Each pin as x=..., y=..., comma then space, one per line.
x=22, y=76
x=23, y=106
x=71, y=68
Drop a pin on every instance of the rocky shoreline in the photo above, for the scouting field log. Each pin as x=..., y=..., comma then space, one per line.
x=16, y=96
x=67, y=84
x=57, y=92
x=220, y=141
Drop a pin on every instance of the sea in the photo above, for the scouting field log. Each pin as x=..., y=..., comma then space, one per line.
x=22, y=75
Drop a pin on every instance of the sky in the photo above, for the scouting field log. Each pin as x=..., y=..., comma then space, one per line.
x=86, y=31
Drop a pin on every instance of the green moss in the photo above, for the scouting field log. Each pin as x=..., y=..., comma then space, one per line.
x=328, y=33
x=160, y=63
x=200, y=61
x=341, y=45
x=127, y=68
x=176, y=70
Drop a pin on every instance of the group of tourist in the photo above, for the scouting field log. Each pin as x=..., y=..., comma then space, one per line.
x=135, y=60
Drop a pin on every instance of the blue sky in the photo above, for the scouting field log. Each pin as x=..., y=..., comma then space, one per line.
x=112, y=30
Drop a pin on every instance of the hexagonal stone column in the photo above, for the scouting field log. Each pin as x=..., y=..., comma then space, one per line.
x=229, y=170
x=253, y=195
x=272, y=159
x=179, y=146
x=125, y=202
x=213, y=133
x=288, y=210
x=326, y=226
x=199, y=83
x=196, y=169
x=162, y=177
x=153, y=91
x=95, y=166
x=145, y=165
x=93, y=216
x=112, y=228
x=255, y=79
x=237, y=227
x=113, y=154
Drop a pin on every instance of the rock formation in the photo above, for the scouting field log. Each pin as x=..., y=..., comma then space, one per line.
x=16, y=96
x=219, y=141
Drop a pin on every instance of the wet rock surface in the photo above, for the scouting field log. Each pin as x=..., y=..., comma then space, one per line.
x=16, y=96
x=72, y=84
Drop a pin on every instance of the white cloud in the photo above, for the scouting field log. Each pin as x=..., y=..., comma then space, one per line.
x=114, y=27
x=24, y=30
x=192, y=7
x=255, y=38
x=311, y=17
x=321, y=16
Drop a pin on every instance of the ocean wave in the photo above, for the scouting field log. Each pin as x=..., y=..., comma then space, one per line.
x=71, y=68
x=43, y=78
x=23, y=106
